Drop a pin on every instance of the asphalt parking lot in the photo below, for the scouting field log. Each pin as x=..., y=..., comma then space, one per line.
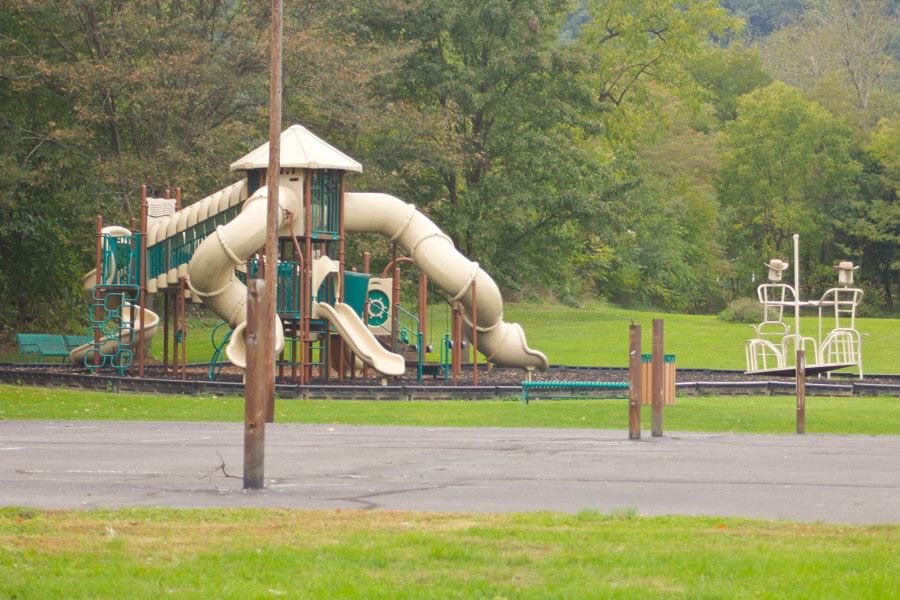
x=82, y=464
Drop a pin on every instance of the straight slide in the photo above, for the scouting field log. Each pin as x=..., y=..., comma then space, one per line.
x=355, y=333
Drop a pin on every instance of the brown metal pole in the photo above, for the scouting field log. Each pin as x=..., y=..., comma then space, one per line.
x=175, y=342
x=634, y=382
x=395, y=310
x=423, y=309
x=366, y=257
x=801, y=391
x=341, y=237
x=183, y=332
x=301, y=306
x=272, y=197
x=134, y=318
x=256, y=385
x=457, y=342
x=307, y=274
x=474, y=336
x=142, y=278
x=98, y=280
x=340, y=293
x=165, y=331
x=656, y=385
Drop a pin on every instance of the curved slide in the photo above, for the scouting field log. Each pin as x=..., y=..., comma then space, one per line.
x=108, y=347
x=211, y=274
x=433, y=252
x=355, y=333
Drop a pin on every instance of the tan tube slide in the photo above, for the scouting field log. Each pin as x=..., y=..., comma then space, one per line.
x=433, y=252
x=211, y=274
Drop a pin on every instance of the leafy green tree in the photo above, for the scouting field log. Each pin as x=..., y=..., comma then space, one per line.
x=868, y=231
x=667, y=255
x=764, y=16
x=727, y=74
x=100, y=97
x=786, y=168
x=509, y=176
x=846, y=37
x=636, y=43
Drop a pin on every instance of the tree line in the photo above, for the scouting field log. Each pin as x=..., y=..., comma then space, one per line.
x=653, y=154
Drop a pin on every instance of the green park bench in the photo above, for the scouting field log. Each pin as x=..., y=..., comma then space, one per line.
x=73, y=341
x=41, y=344
x=570, y=389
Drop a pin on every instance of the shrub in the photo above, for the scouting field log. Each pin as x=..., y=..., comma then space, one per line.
x=743, y=310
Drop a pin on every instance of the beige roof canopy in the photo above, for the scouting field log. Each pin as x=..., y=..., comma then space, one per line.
x=299, y=148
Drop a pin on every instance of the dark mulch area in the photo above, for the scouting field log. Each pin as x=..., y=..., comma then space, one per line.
x=498, y=376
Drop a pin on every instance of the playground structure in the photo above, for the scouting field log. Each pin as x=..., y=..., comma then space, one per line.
x=330, y=319
x=773, y=348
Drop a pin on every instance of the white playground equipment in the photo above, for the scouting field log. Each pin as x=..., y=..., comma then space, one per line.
x=773, y=348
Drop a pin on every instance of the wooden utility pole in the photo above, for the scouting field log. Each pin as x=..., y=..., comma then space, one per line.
x=801, y=391
x=272, y=178
x=656, y=385
x=634, y=383
x=259, y=390
x=255, y=387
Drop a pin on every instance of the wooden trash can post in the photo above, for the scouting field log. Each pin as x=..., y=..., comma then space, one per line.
x=646, y=378
x=669, y=380
x=656, y=397
x=801, y=391
x=635, y=388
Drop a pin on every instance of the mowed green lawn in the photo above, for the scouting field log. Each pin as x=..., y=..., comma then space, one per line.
x=759, y=414
x=598, y=336
x=142, y=553
x=248, y=553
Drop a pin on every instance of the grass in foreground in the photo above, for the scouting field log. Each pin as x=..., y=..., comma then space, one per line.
x=759, y=414
x=250, y=553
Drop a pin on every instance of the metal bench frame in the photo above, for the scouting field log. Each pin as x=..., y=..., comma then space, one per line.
x=42, y=344
x=565, y=389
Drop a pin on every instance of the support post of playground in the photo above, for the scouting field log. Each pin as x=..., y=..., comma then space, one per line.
x=634, y=382
x=181, y=282
x=657, y=387
x=142, y=281
x=801, y=391
x=256, y=386
x=474, y=335
x=98, y=280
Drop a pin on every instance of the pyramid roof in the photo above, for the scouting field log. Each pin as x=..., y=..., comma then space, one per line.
x=299, y=148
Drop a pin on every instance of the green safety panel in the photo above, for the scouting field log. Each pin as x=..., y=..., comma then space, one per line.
x=355, y=287
x=379, y=308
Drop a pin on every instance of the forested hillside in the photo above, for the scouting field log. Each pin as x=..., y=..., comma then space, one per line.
x=650, y=153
